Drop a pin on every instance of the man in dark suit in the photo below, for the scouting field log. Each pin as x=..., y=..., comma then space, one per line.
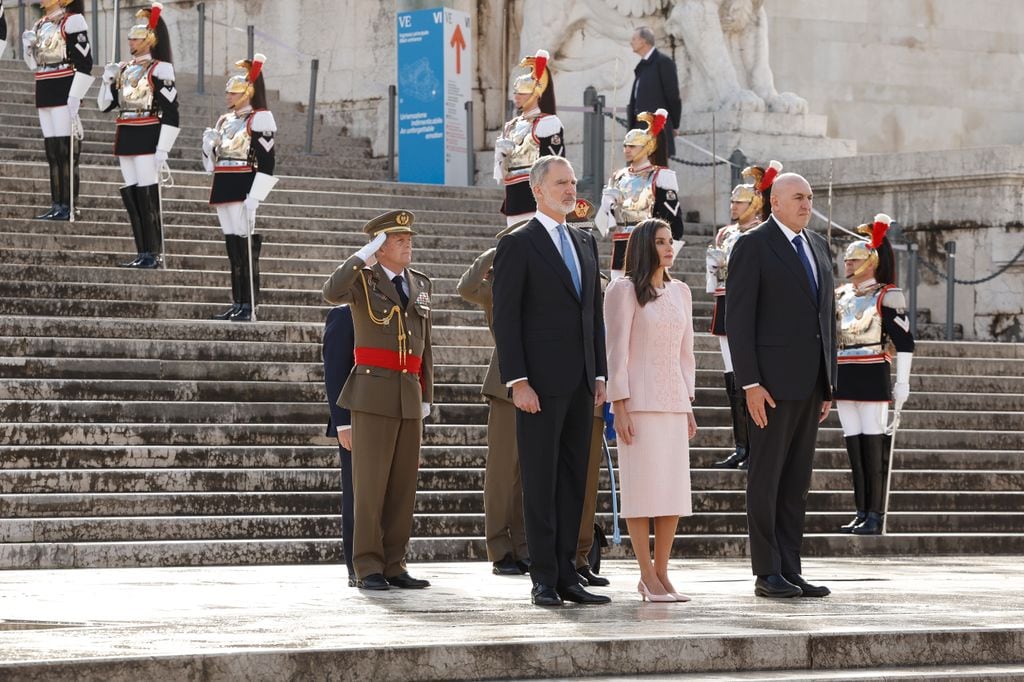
x=339, y=355
x=549, y=333
x=655, y=86
x=781, y=324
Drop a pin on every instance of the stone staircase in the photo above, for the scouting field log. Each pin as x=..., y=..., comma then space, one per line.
x=135, y=432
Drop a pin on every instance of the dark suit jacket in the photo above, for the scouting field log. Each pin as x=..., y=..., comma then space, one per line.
x=338, y=353
x=656, y=85
x=542, y=330
x=778, y=334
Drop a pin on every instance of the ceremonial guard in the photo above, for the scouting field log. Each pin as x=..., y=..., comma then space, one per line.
x=534, y=133
x=3, y=30
x=644, y=189
x=748, y=207
x=388, y=394
x=872, y=315
x=57, y=48
x=239, y=151
x=504, y=529
x=143, y=91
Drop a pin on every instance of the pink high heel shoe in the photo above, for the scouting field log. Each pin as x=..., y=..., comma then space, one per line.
x=646, y=595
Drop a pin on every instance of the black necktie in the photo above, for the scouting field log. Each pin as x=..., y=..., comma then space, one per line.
x=397, y=279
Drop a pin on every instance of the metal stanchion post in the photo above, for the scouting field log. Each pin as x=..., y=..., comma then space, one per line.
x=21, y=23
x=589, y=177
x=470, y=150
x=200, y=49
x=739, y=161
x=314, y=69
x=950, y=287
x=392, y=99
x=595, y=193
x=912, y=286
x=96, y=49
x=250, y=34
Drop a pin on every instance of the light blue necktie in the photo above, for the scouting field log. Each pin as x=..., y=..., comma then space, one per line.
x=799, y=244
x=570, y=262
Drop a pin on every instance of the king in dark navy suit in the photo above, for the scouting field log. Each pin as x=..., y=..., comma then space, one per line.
x=339, y=354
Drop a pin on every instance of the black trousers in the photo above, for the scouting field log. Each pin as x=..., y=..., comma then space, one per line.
x=778, y=479
x=554, y=447
x=347, y=502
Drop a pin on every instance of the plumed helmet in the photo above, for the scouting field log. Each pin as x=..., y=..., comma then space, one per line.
x=647, y=137
x=537, y=78
x=244, y=83
x=146, y=30
x=867, y=249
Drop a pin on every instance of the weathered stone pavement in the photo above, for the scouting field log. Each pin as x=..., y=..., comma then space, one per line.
x=303, y=622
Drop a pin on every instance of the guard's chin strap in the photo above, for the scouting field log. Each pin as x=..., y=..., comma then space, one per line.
x=754, y=207
x=871, y=260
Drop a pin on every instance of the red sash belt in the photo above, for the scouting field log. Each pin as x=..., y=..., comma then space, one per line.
x=388, y=359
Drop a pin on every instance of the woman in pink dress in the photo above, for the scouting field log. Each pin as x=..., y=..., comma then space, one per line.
x=651, y=382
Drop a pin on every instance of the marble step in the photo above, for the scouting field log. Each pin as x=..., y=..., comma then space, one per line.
x=314, y=526
x=838, y=503
x=435, y=456
x=261, y=552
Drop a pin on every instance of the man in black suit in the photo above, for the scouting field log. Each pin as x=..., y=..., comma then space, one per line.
x=781, y=324
x=655, y=86
x=549, y=334
x=338, y=354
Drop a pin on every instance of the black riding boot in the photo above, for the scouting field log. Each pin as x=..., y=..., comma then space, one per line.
x=51, y=145
x=738, y=411
x=874, y=475
x=63, y=148
x=148, y=198
x=249, y=298
x=128, y=195
x=235, y=269
x=854, y=452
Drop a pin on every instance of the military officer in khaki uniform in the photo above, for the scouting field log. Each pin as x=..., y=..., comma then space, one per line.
x=388, y=393
x=503, y=489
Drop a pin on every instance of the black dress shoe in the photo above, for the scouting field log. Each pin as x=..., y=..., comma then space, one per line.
x=733, y=461
x=576, y=593
x=524, y=566
x=506, y=566
x=352, y=580
x=857, y=520
x=592, y=579
x=545, y=595
x=374, y=581
x=407, y=582
x=808, y=589
x=775, y=587
x=872, y=525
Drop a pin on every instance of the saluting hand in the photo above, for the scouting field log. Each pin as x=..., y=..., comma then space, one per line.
x=757, y=396
x=525, y=398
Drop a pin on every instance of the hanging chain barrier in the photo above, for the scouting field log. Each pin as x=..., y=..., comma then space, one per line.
x=981, y=280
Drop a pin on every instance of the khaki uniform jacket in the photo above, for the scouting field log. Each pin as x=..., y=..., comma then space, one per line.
x=475, y=287
x=386, y=392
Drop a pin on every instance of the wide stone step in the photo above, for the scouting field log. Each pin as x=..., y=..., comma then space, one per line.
x=259, y=552
x=135, y=457
x=186, y=311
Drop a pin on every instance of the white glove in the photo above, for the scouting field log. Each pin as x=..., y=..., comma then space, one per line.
x=711, y=260
x=424, y=410
x=160, y=156
x=677, y=246
x=251, y=203
x=900, y=393
x=367, y=251
x=28, y=41
x=210, y=140
x=74, y=104
x=110, y=72
x=503, y=145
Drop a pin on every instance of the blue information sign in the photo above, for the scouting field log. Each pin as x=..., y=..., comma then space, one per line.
x=434, y=84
